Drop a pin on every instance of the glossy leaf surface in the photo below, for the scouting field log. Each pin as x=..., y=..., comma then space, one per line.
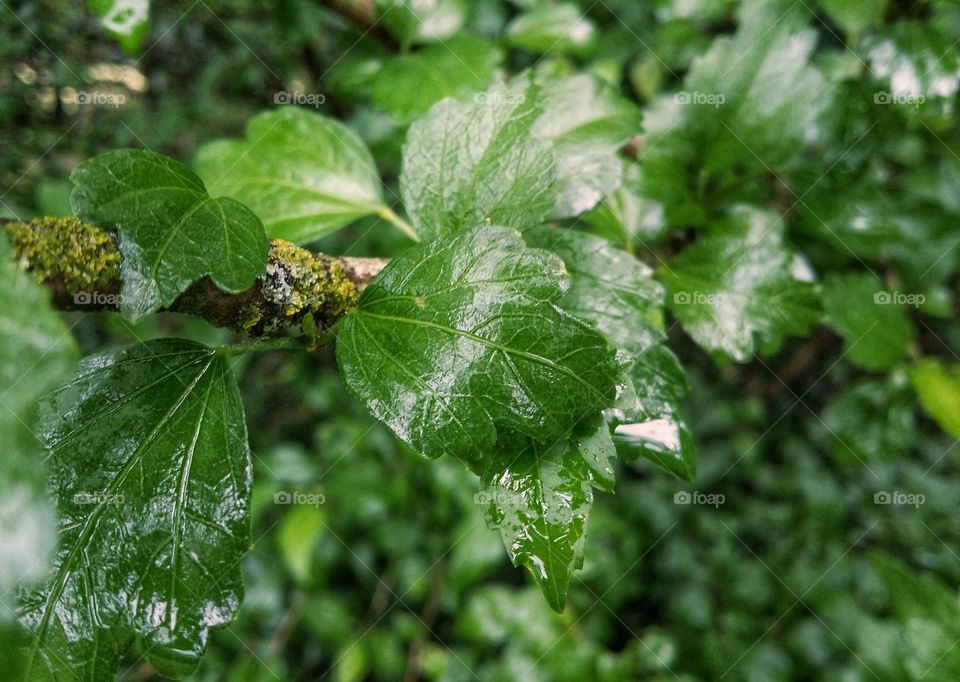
x=149, y=459
x=552, y=28
x=422, y=21
x=172, y=232
x=617, y=292
x=587, y=122
x=738, y=286
x=128, y=21
x=539, y=498
x=465, y=165
x=458, y=344
x=305, y=175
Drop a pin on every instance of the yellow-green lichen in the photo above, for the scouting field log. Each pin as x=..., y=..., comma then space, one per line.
x=83, y=257
x=249, y=317
x=298, y=282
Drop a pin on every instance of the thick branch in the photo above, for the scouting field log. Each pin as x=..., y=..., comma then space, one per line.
x=81, y=264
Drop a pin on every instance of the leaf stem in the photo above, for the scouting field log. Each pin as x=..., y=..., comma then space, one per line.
x=387, y=214
x=260, y=345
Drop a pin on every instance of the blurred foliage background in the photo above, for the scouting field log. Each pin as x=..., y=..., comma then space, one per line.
x=804, y=571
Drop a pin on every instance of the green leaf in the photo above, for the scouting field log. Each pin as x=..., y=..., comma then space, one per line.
x=304, y=174
x=36, y=354
x=758, y=115
x=128, y=21
x=297, y=538
x=938, y=386
x=665, y=441
x=646, y=416
x=422, y=21
x=854, y=17
x=734, y=120
x=625, y=215
x=149, y=460
x=466, y=165
x=609, y=287
x=739, y=285
x=869, y=318
x=172, y=232
x=617, y=293
x=408, y=85
x=552, y=28
x=658, y=382
x=918, y=70
x=458, y=344
x=587, y=122
x=539, y=498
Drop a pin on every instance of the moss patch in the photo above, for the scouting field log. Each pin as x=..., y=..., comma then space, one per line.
x=83, y=257
x=298, y=283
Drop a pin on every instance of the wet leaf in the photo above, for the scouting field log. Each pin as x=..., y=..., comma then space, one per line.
x=539, y=497
x=737, y=286
x=587, y=122
x=617, y=292
x=149, y=460
x=458, y=344
x=665, y=441
x=172, y=232
x=552, y=28
x=733, y=119
x=646, y=418
x=625, y=216
x=917, y=71
x=305, y=175
x=422, y=21
x=465, y=165
x=753, y=117
x=608, y=287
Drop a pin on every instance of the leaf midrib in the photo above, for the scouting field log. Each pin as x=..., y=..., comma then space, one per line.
x=63, y=572
x=532, y=357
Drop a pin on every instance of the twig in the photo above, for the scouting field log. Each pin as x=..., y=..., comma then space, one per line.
x=81, y=265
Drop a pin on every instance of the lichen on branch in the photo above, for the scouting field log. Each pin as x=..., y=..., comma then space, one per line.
x=81, y=264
